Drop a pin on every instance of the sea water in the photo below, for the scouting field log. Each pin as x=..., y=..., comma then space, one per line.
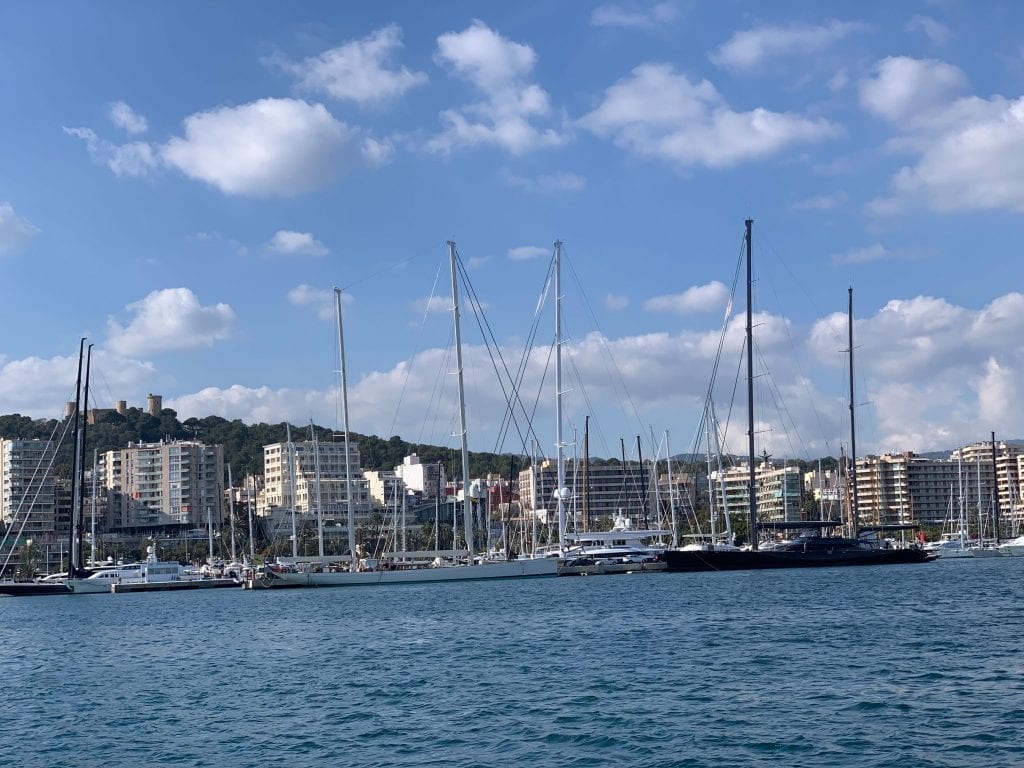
x=876, y=666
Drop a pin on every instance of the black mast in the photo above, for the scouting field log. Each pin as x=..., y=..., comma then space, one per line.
x=72, y=520
x=644, y=494
x=852, y=472
x=81, y=456
x=751, y=481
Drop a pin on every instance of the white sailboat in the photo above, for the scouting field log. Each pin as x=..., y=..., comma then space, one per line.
x=420, y=566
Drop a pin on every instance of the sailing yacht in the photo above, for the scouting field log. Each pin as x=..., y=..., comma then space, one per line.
x=425, y=566
x=815, y=546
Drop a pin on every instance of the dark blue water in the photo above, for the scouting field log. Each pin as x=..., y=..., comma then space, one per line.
x=882, y=666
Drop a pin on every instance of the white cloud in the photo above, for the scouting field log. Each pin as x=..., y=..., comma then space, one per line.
x=127, y=119
x=616, y=16
x=936, y=372
x=40, y=387
x=378, y=152
x=876, y=252
x=498, y=68
x=290, y=243
x=255, y=405
x=656, y=112
x=169, y=319
x=267, y=147
x=752, y=48
x=136, y=159
x=935, y=31
x=321, y=300
x=525, y=252
x=969, y=151
x=15, y=231
x=550, y=183
x=615, y=303
x=358, y=70
x=698, y=298
x=911, y=89
x=432, y=305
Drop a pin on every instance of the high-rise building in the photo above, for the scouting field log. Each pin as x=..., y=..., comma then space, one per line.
x=27, y=502
x=326, y=477
x=170, y=483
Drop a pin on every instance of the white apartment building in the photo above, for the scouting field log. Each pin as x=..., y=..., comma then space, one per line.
x=27, y=501
x=386, y=488
x=280, y=465
x=170, y=483
x=428, y=480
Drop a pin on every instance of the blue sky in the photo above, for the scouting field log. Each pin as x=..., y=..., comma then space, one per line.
x=185, y=182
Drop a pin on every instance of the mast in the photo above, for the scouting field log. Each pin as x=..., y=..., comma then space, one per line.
x=92, y=533
x=671, y=493
x=995, y=490
x=752, y=478
x=81, y=454
x=291, y=489
x=252, y=541
x=586, y=473
x=852, y=474
x=231, y=513
x=467, y=517
x=319, y=504
x=559, y=444
x=72, y=521
x=643, y=492
x=350, y=517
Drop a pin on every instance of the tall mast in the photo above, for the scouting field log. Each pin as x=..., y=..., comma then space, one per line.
x=291, y=489
x=852, y=474
x=586, y=473
x=81, y=454
x=467, y=504
x=231, y=513
x=92, y=533
x=559, y=444
x=642, y=490
x=671, y=493
x=248, y=499
x=995, y=490
x=319, y=501
x=350, y=515
x=72, y=522
x=752, y=479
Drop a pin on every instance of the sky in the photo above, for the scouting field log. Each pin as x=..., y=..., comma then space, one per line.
x=186, y=182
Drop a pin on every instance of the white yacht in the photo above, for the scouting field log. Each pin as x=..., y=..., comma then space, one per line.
x=150, y=571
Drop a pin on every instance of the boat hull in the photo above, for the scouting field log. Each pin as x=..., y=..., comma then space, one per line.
x=512, y=569
x=744, y=560
x=32, y=588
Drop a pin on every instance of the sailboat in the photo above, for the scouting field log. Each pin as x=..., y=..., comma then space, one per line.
x=420, y=566
x=812, y=548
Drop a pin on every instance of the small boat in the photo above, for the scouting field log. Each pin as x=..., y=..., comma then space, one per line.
x=1013, y=547
x=150, y=575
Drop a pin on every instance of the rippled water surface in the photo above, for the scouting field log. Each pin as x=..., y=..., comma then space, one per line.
x=881, y=666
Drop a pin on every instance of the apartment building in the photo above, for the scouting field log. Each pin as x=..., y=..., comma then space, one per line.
x=27, y=492
x=426, y=480
x=175, y=483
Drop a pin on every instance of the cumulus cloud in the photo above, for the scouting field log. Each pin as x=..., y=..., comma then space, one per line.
x=525, y=252
x=40, y=387
x=358, y=70
x=698, y=298
x=169, y=319
x=288, y=243
x=255, y=405
x=432, y=305
x=127, y=119
x=752, y=48
x=617, y=16
x=15, y=231
x=935, y=31
x=659, y=113
x=267, y=147
x=137, y=158
x=935, y=370
x=319, y=299
x=498, y=68
x=969, y=151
